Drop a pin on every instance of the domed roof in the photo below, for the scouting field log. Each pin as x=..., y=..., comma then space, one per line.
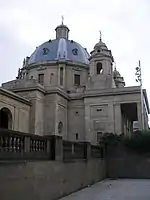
x=60, y=49
x=100, y=45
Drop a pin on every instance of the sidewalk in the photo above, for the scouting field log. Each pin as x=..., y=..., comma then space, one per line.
x=122, y=189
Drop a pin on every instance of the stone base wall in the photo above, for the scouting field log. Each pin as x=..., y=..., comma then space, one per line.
x=134, y=167
x=47, y=180
x=124, y=163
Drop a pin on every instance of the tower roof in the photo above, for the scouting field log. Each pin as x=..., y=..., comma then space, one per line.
x=100, y=44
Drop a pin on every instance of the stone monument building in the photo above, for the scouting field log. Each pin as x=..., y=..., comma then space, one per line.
x=63, y=90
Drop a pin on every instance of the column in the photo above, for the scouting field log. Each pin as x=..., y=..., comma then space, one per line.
x=117, y=119
x=88, y=136
x=139, y=113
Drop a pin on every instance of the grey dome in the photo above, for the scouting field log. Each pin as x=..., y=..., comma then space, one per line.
x=100, y=45
x=59, y=49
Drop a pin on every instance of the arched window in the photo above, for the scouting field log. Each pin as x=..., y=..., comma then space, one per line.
x=77, y=136
x=51, y=78
x=5, y=118
x=99, y=68
x=60, y=127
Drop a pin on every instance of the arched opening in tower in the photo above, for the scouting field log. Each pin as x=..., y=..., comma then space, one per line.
x=5, y=118
x=99, y=68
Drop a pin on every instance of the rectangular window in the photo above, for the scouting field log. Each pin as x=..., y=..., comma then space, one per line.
x=77, y=79
x=41, y=79
x=51, y=78
x=99, y=136
x=77, y=136
x=61, y=76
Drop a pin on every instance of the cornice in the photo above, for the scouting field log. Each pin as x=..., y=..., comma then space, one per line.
x=14, y=96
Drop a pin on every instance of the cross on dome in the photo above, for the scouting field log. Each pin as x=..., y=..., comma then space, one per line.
x=62, y=17
x=100, y=35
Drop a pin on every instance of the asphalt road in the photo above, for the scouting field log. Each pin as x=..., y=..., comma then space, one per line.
x=123, y=189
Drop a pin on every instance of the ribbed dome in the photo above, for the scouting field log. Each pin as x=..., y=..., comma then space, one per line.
x=59, y=49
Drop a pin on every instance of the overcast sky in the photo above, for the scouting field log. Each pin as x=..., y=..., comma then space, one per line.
x=124, y=25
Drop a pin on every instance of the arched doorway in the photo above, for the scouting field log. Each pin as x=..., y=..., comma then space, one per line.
x=5, y=118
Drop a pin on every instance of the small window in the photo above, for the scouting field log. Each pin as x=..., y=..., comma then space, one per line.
x=61, y=76
x=75, y=51
x=77, y=79
x=60, y=127
x=31, y=77
x=51, y=78
x=77, y=112
x=41, y=78
x=99, y=68
x=77, y=136
x=99, y=136
x=99, y=109
x=45, y=51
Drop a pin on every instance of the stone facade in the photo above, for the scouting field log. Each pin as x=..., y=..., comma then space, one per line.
x=62, y=90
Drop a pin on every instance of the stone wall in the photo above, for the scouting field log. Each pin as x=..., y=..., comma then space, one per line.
x=76, y=120
x=47, y=180
x=36, y=98
x=19, y=109
x=123, y=163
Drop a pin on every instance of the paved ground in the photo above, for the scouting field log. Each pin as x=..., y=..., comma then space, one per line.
x=125, y=189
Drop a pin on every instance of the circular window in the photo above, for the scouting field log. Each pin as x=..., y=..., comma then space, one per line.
x=75, y=51
x=45, y=51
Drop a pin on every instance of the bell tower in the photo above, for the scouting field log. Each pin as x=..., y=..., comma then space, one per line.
x=101, y=67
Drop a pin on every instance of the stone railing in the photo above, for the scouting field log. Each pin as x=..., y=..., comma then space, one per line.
x=22, y=146
x=16, y=145
x=73, y=150
x=97, y=151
